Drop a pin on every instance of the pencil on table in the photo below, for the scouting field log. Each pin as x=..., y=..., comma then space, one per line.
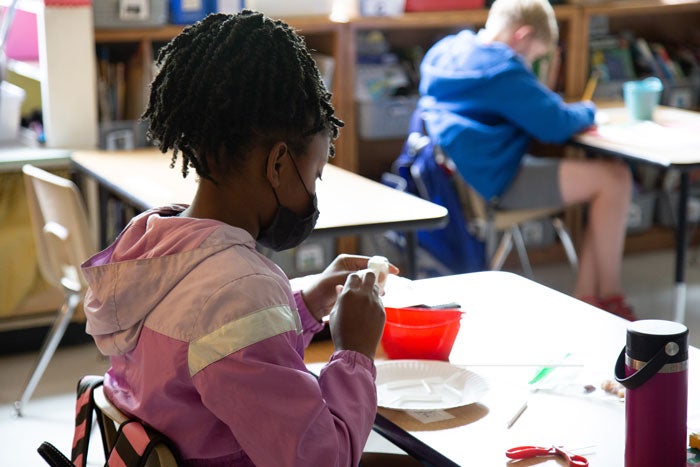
x=517, y=415
x=590, y=86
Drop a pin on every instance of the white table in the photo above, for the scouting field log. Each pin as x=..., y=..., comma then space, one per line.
x=671, y=140
x=512, y=326
x=349, y=204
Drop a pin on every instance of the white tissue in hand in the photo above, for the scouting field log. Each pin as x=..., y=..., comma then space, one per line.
x=380, y=266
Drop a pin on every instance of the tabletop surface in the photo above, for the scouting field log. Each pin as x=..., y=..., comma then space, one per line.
x=672, y=138
x=345, y=200
x=14, y=156
x=511, y=328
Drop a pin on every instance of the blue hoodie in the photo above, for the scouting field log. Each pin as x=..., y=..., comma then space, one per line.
x=483, y=105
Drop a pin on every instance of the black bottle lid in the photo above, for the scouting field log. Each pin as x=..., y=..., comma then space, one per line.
x=646, y=337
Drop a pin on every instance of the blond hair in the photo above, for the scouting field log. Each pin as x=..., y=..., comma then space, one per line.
x=511, y=14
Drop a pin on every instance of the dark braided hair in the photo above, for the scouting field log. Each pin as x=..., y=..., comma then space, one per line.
x=231, y=82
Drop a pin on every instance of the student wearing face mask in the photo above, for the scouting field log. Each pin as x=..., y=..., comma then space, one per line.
x=205, y=334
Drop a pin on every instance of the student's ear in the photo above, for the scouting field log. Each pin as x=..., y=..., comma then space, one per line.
x=274, y=162
x=523, y=33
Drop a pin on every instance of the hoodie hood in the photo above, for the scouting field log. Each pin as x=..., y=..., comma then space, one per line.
x=150, y=257
x=459, y=65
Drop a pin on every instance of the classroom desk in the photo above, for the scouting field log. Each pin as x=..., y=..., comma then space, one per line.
x=511, y=326
x=24, y=295
x=349, y=204
x=672, y=141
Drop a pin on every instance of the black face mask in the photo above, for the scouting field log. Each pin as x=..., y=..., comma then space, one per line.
x=287, y=228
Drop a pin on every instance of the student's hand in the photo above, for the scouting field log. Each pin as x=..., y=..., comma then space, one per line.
x=357, y=319
x=322, y=294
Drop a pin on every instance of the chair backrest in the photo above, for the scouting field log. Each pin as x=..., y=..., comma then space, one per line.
x=111, y=419
x=455, y=246
x=60, y=224
x=474, y=206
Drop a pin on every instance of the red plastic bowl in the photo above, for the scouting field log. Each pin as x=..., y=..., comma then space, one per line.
x=419, y=333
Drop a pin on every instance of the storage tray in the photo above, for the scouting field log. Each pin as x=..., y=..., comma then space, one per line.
x=443, y=5
x=386, y=118
x=109, y=14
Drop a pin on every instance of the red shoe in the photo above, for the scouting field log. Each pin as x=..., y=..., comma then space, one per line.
x=617, y=305
x=592, y=300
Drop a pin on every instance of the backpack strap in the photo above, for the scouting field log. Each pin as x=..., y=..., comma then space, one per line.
x=135, y=442
x=84, y=407
x=53, y=456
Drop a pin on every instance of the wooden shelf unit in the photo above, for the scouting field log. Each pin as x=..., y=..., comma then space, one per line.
x=320, y=33
x=656, y=19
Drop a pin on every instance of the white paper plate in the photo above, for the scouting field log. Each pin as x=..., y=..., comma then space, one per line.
x=426, y=385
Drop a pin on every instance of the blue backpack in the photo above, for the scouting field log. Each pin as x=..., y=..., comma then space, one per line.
x=431, y=178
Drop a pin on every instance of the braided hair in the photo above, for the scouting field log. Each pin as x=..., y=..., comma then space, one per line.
x=231, y=82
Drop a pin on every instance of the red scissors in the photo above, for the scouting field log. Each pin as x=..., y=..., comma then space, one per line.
x=526, y=452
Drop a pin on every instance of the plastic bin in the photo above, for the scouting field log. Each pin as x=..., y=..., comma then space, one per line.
x=382, y=7
x=188, y=11
x=277, y=8
x=22, y=38
x=667, y=208
x=538, y=233
x=443, y=5
x=115, y=14
x=123, y=135
x=640, y=216
x=311, y=257
x=386, y=118
x=225, y=6
x=11, y=98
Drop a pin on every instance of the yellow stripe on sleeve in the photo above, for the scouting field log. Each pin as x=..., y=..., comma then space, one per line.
x=238, y=334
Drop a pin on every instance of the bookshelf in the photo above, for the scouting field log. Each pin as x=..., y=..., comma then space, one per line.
x=655, y=19
x=664, y=21
x=672, y=22
x=138, y=48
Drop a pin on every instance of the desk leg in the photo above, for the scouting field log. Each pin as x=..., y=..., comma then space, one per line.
x=411, y=247
x=681, y=247
x=102, y=197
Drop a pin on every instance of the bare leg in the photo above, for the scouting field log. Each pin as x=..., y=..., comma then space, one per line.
x=607, y=187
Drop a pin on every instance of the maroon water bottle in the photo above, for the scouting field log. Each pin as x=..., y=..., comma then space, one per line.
x=654, y=368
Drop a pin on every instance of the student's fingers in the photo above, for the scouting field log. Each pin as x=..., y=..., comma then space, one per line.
x=369, y=278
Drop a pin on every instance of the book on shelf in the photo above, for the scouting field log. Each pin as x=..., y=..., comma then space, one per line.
x=646, y=60
x=670, y=68
x=612, y=58
x=326, y=66
x=122, y=84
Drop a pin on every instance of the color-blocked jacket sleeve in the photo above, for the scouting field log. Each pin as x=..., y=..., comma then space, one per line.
x=279, y=413
x=310, y=325
x=541, y=112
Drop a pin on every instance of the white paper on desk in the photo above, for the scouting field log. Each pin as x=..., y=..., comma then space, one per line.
x=430, y=416
x=650, y=135
x=402, y=292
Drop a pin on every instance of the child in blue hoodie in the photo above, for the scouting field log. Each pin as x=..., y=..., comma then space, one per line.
x=483, y=106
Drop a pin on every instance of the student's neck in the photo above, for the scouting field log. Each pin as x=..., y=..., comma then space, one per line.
x=224, y=204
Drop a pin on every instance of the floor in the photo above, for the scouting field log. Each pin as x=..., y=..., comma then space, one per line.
x=49, y=415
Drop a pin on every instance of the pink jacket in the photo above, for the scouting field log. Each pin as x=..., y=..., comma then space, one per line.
x=206, y=342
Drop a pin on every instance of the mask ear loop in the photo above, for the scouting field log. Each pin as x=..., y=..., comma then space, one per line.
x=299, y=175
